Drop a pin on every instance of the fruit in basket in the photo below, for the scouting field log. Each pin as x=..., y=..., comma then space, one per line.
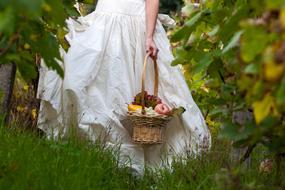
x=137, y=99
x=162, y=109
x=132, y=107
x=150, y=100
x=150, y=111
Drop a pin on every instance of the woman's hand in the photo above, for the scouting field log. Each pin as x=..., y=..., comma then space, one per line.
x=151, y=18
x=151, y=48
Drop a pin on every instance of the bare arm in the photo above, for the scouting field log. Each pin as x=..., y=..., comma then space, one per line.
x=152, y=7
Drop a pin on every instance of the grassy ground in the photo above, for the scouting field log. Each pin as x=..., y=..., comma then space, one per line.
x=30, y=162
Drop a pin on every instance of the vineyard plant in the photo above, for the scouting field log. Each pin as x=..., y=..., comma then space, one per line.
x=232, y=53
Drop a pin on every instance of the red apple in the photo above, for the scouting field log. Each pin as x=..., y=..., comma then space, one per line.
x=162, y=109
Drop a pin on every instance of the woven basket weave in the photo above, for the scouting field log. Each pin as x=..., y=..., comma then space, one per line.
x=148, y=129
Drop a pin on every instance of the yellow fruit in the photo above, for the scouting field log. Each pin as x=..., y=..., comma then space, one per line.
x=132, y=107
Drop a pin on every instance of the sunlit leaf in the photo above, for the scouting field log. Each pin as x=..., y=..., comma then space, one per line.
x=194, y=19
x=273, y=71
x=183, y=33
x=202, y=64
x=233, y=42
x=263, y=108
x=253, y=42
x=251, y=69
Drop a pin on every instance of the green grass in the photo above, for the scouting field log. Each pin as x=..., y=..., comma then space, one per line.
x=30, y=162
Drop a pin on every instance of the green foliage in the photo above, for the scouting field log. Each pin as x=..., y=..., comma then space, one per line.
x=30, y=27
x=235, y=50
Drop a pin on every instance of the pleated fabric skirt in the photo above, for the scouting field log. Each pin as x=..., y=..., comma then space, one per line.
x=103, y=68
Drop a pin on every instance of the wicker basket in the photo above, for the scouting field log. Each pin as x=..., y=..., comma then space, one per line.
x=148, y=129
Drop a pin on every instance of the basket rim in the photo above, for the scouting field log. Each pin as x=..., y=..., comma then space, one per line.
x=157, y=115
x=147, y=142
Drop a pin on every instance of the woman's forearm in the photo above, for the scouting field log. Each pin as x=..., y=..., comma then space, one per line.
x=152, y=7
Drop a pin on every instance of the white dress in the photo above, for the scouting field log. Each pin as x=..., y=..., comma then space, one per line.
x=103, y=73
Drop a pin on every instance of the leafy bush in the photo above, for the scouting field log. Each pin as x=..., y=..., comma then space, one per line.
x=33, y=27
x=233, y=56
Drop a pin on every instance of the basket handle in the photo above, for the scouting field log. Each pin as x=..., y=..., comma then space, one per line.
x=143, y=80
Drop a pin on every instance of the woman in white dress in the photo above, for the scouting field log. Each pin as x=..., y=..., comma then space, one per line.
x=103, y=72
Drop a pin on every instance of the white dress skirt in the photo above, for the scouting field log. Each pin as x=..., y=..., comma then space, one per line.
x=103, y=68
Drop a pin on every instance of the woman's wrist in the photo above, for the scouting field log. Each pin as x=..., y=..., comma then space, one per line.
x=149, y=39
